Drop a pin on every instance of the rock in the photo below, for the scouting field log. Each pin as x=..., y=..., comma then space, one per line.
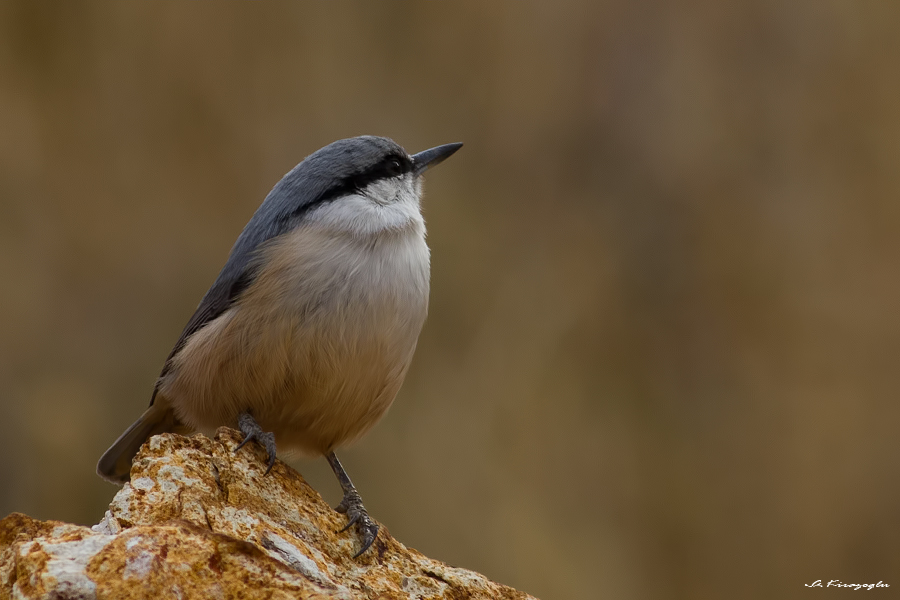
x=198, y=520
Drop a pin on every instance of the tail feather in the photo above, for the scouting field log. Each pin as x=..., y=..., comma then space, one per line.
x=115, y=464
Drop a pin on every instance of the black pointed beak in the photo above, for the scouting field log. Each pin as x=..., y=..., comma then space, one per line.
x=429, y=158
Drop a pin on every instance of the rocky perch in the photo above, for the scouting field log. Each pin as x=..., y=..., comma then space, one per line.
x=201, y=521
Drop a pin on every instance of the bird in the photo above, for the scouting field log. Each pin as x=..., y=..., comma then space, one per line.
x=308, y=331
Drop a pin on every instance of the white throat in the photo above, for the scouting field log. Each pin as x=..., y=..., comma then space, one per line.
x=384, y=206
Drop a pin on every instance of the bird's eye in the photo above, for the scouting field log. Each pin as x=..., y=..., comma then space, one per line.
x=395, y=166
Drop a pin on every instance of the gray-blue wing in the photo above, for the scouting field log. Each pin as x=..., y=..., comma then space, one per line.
x=270, y=221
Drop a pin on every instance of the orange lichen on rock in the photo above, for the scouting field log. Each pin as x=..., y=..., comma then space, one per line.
x=198, y=520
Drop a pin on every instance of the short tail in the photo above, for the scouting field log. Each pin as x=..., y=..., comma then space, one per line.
x=115, y=464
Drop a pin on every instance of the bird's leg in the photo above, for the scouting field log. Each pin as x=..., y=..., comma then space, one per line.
x=252, y=431
x=353, y=507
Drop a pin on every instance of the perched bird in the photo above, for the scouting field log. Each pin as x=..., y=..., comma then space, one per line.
x=308, y=331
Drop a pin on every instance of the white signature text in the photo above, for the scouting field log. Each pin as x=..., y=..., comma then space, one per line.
x=840, y=584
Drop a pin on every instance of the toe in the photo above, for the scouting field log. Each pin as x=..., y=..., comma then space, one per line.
x=369, y=533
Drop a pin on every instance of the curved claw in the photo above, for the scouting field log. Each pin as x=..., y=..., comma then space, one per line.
x=271, y=455
x=247, y=438
x=369, y=533
x=353, y=520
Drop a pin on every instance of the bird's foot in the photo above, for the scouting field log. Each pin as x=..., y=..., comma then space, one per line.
x=252, y=431
x=357, y=515
x=352, y=506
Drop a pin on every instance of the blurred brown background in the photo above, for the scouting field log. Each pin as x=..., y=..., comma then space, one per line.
x=663, y=353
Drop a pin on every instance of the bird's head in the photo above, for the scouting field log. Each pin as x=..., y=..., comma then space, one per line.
x=360, y=185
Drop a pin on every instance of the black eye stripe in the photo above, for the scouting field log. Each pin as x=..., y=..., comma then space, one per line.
x=393, y=165
x=390, y=166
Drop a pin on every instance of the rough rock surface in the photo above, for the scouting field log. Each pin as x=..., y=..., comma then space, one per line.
x=201, y=521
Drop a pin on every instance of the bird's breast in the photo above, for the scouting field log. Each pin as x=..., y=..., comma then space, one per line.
x=352, y=284
x=319, y=343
